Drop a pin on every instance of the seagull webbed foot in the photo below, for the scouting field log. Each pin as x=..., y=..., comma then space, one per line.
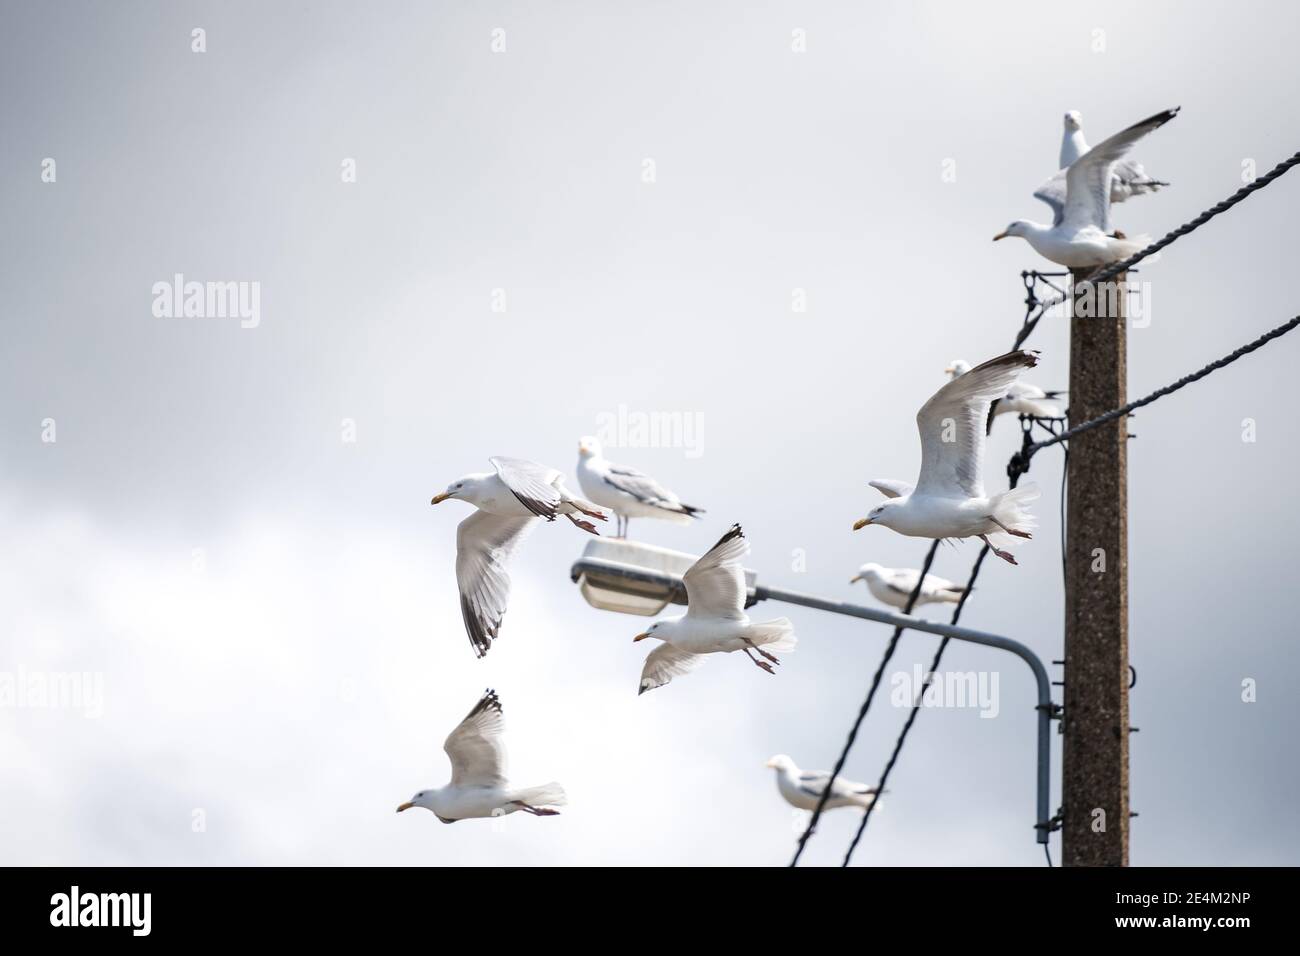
x=1004, y=555
x=757, y=663
x=584, y=525
x=771, y=657
x=1011, y=531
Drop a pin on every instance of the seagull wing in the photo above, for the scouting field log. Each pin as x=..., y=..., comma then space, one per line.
x=813, y=782
x=1053, y=193
x=902, y=581
x=891, y=488
x=1087, y=200
x=641, y=487
x=664, y=663
x=485, y=544
x=533, y=484
x=952, y=426
x=478, y=755
x=715, y=584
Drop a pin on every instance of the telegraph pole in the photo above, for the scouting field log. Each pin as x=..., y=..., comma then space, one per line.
x=1096, y=719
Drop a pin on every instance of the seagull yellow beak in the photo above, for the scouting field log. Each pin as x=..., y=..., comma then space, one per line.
x=949, y=370
x=405, y=806
x=861, y=523
x=1000, y=235
x=641, y=637
x=442, y=497
x=855, y=579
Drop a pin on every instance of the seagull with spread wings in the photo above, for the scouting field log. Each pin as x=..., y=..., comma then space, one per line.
x=479, y=787
x=1081, y=235
x=625, y=491
x=804, y=788
x=510, y=501
x=715, y=621
x=1127, y=179
x=948, y=500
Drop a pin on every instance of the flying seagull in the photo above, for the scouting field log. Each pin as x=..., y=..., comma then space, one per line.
x=479, y=787
x=510, y=502
x=803, y=788
x=948, y=500
x=1081, y=234
x=625, y=491
x=1021, y=398
x=715, y=620
x=893, y=586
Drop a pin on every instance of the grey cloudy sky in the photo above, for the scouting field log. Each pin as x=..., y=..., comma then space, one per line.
x=299, y=686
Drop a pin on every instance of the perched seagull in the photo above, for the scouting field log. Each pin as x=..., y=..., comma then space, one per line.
x=625, y=491
x=948, y=500
x=1021, y=398
x=1081, y=234
x=803, y=788
x=479, y=787
x=893, y=586
x=715, y=620
x=1127, y=179
x=510, y=501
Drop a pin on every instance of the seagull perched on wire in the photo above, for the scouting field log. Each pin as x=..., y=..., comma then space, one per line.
x=1127, y=178
x=510, y=501
x=1081, y=234
x=893, y=586
x=948, y=500
x=625, y=491
x=804, y=788
x=479, y=787
x=715, y=620
x=1021, y=398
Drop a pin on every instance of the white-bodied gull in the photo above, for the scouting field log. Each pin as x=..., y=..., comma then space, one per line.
x=1127, y=178
x=715, y=621
x=948, y=500
x=804, y=788
x=625, y=491
x=479, y=787
x=510, y=502
x=1081, y=234
x=893, y=586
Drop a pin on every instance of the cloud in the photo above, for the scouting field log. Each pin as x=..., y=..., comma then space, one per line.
x=295, y=693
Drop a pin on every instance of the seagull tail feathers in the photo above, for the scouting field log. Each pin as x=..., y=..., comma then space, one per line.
x=777, y=635
x=1124, y=246
x=551, y=794
x=673, y=516
x=1011, y=508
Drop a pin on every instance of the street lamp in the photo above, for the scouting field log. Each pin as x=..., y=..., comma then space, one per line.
x=634, y=578
x=642, y=579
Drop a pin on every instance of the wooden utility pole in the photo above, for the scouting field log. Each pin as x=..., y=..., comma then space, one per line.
x=1096, y=721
